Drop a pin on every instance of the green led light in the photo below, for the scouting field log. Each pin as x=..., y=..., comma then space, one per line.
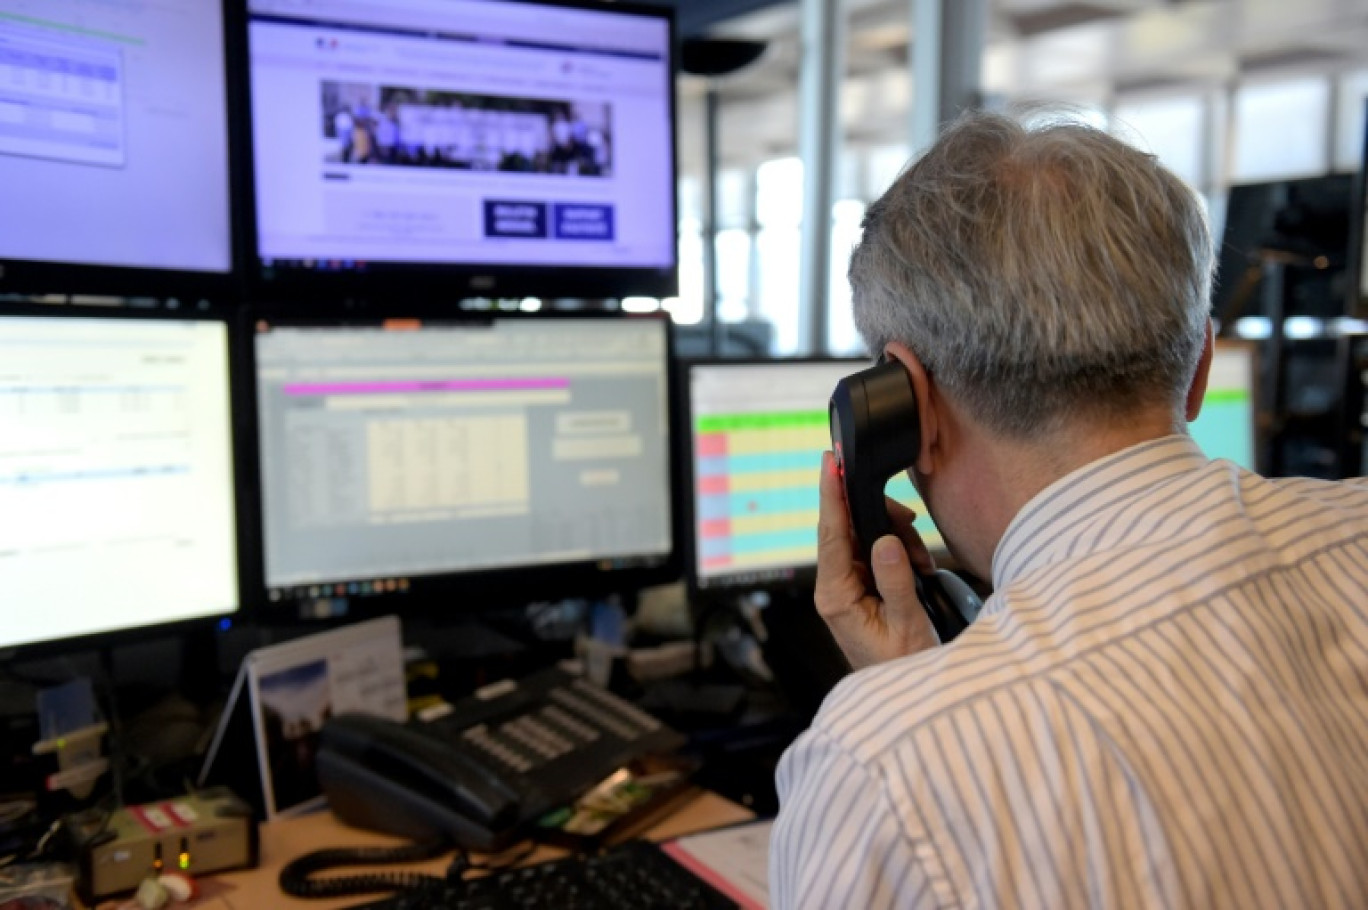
x=184, y=861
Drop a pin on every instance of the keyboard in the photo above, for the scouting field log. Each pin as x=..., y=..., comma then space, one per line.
x=633, y=876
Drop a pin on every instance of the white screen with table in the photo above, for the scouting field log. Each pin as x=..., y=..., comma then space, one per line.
x=114, y=133
x=116, y=475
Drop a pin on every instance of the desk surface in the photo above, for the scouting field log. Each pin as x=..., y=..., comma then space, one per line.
x=282, y=841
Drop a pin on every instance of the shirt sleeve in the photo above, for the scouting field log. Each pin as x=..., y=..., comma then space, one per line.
x=837, y=841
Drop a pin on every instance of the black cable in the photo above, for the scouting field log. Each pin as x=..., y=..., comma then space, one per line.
x=297, y=880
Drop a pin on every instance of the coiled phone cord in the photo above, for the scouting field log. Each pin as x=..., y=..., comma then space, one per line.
x=297, y=880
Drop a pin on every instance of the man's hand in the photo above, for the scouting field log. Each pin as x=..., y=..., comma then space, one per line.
x=870, y=629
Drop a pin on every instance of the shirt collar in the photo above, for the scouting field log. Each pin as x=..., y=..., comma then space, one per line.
x=1056, y=520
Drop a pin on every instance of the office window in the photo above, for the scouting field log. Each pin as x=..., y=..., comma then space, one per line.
x=1353, y=94
x=734, y=198
x=882, y=167
x=733, y=274
x=779, y=193
x=846, y=216
x=778, y=250
x=778, y=247
x=687, y=308
x=1171, y=128
x=1281, y=129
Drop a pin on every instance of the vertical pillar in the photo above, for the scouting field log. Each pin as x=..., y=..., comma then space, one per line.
x=710, y=118
x=947, y=59
x=823, y=69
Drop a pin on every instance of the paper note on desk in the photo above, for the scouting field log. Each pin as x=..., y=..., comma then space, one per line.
x=733, y=860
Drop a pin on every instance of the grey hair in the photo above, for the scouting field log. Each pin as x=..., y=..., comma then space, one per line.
x=1038, y=273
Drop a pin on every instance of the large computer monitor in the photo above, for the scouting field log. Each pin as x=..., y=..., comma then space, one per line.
x=116, y=475
x=1226, y=427
x=758, y=431
x=462, y=147
x=463, y=464
x=113, y=145
x=1301, y=224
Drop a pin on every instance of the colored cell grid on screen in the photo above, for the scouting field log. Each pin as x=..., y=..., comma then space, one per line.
x=793, y=460
x=757, y=487
x=1225, y=428
x=802, y=539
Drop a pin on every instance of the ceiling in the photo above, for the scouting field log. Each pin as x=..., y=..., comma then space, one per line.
x=1087, y=52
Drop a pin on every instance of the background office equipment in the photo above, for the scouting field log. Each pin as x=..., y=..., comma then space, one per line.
x=463, y=465
x=1288, y=267
x=449, y=147
x=200, y=834
x=116, y=474
x=113, y=147
x=757, y=433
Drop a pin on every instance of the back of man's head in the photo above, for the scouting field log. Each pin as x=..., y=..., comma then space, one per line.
x=1040, y=274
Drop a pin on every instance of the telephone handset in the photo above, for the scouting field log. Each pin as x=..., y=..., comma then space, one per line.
x=876, y=433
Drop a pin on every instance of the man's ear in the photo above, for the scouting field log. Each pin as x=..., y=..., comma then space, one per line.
x=1197, y=391
x=926, y=411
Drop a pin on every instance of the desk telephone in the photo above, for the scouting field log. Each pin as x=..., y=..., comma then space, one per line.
x=875, y=433
x=498, y=761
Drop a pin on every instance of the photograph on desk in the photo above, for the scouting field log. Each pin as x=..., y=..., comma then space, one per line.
x=294, y=704
x=288, y=690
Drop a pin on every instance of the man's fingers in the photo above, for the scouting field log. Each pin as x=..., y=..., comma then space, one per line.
x=898, y=513
x=834, y=553
x=893, y=576
x=901, y=517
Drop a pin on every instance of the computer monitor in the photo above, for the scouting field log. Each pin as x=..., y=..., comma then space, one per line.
x=758, y=431
x=113, y=145
x=463, y=464
x=464, y=147
x=1226, y=426
x=1302, y=225
x=116, y=475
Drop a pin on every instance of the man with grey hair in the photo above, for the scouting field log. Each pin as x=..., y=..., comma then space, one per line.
x=1164, y=703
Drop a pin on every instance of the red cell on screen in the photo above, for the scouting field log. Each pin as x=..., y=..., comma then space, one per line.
x=714, y=484
x=710, y=444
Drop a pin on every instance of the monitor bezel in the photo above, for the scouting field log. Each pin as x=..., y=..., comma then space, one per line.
x=446, y=283
x=57, y=277
x=1356, y=302
x=459, y=592
x=219, y=311
x=801, y=579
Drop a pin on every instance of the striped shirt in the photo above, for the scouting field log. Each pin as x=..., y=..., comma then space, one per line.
x=1164, y=704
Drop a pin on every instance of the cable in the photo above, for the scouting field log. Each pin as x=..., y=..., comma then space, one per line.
x=501, y=861
x=297, y=880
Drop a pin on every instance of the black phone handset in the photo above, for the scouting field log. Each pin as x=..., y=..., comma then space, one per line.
x=875, y=434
